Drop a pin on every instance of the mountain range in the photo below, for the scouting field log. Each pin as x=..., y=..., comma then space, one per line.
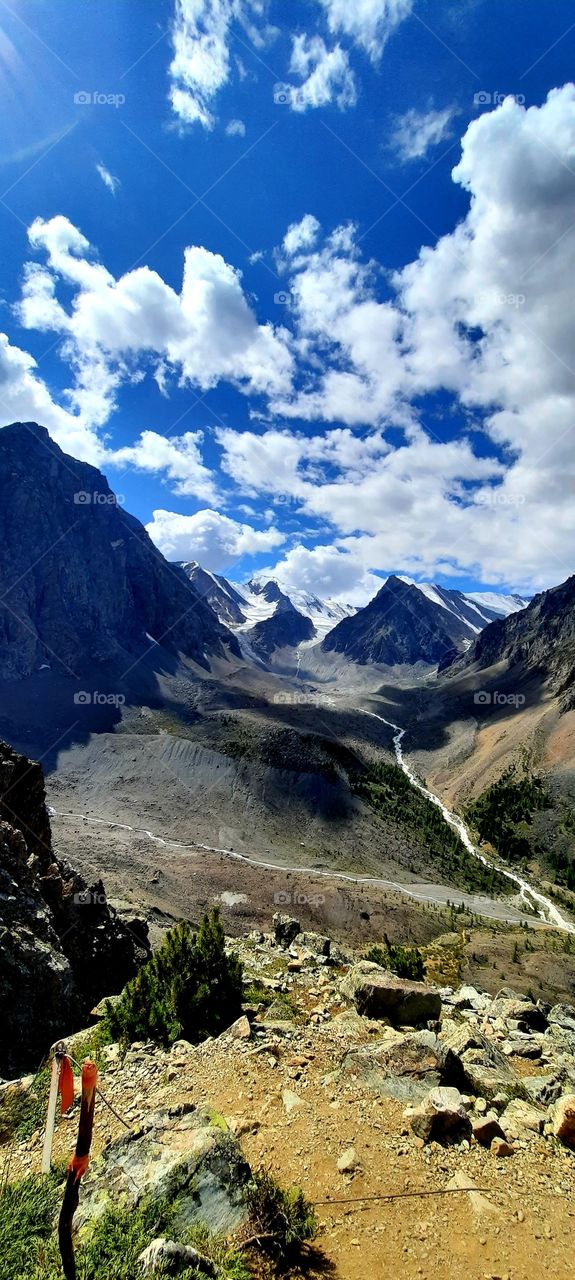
x=84, y=589
x=406, y=622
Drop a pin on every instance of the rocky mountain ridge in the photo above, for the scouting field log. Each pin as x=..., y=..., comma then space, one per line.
x=82, y=586
x=539, y=639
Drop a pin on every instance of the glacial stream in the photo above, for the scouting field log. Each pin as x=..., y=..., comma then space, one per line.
x=531, y=897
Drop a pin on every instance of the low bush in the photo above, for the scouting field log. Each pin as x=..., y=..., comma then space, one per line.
x=406, y=962
x=190, y=988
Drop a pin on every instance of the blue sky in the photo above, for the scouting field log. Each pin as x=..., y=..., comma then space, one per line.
x=368, y=366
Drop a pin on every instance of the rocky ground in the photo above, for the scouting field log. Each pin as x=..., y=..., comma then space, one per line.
x=357, y=1086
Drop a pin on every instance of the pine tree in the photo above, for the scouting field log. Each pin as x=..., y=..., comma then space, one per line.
x=190, y=988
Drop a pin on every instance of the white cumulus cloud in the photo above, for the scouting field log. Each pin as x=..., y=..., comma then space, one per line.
x=209, y=537
x=368, y=22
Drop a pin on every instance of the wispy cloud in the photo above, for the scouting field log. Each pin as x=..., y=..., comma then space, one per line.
x=417, y=132
x=108, y=178
x=236, y=129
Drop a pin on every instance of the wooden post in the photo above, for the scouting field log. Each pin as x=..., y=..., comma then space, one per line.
x=77, y=1167
x=58, y=1054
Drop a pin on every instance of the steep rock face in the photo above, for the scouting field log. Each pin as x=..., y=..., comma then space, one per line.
x=539, y=638
x=80, y=580
x=62, y=947
x=217, y=592
x=285, y=627
x=400, y=625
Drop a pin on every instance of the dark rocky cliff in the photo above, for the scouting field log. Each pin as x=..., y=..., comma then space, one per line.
x=62, y=947
x=80, y=580
x=398, y=626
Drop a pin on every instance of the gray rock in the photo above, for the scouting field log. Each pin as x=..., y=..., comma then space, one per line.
x=63, y=947
x=347, y=1162
x=525, y=1013
x=441, y=1115
x=314, y=942
x=520, y=1119
x=485, y=1068
x=286, y=928
x=378, y=994
x=525, y=1048
x=468, y=998
x=240, y=1029
x=183, y=1153
x=543, y=1090
x=562, y=1015
x=402, y=1067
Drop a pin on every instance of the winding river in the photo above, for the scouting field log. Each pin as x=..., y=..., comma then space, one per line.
x=531, y=897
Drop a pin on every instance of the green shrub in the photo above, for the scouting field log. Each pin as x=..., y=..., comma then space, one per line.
x=406, y=962
x=283, y=1220
x=190, y=988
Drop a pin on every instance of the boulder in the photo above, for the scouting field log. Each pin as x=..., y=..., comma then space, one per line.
x=485, y=1069
x=240, y=1029
x=521, y=1119
x=526, y=1047
x=564, y=1120
x=314, y=942
x=184, y=1153
x=499, y=1147
x=525, y=1013
x=286, y=928
x=378, y=994
x=543, y=1090
x=562, y=1015
x=347, y=1162
x=404, y=1067
x=468, y=998
x=441, y=1115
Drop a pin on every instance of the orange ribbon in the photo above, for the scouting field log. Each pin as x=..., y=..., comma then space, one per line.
x=66, y=1085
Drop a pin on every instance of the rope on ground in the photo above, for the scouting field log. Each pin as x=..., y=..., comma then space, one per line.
x=406, y=1195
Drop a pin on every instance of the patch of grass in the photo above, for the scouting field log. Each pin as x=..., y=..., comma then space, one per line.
x=29, y=1249
x=282, y=1220
x=22, y=1114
